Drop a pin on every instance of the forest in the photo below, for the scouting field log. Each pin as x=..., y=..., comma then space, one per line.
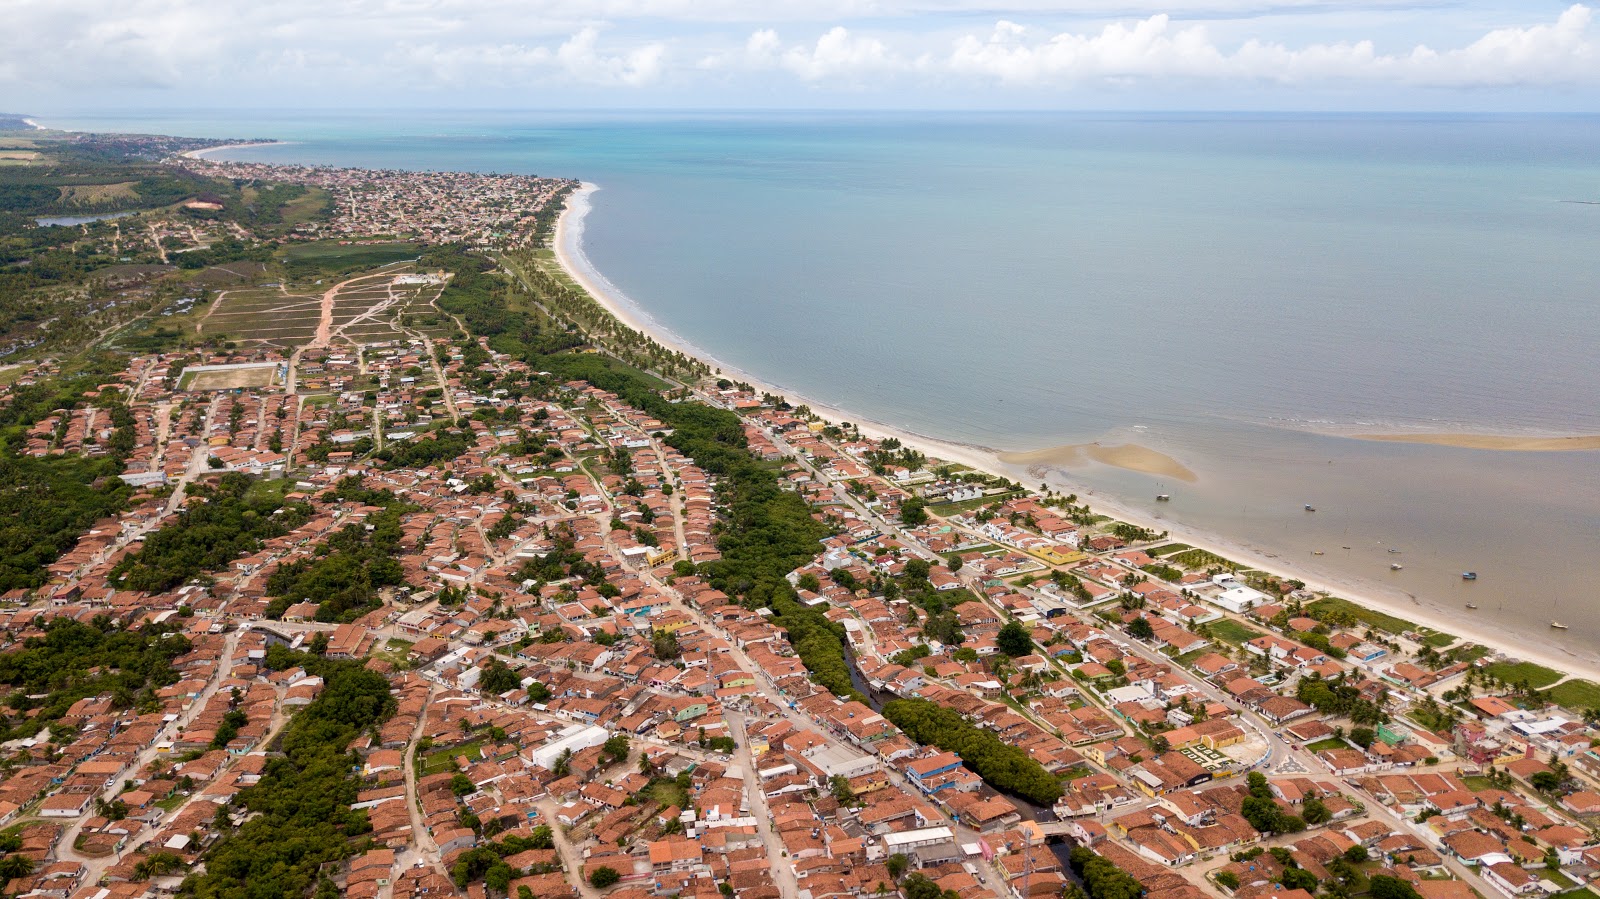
x=298, y=816
x=75, y=660
x=232, y=519
x=1001, y=765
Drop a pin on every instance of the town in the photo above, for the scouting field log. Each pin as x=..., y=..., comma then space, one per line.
x=528, y=625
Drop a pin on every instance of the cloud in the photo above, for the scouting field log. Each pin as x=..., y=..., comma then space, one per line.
x=1159, y=49
x=1156, y=48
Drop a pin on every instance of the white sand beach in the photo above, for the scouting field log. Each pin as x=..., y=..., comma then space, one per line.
x=203, y=152
x=1016, y=466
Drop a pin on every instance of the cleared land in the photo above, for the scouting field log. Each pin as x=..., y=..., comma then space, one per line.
x=373, y=307
x=229, y=379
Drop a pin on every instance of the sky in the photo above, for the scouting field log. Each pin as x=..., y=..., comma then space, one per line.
x=1490, y=55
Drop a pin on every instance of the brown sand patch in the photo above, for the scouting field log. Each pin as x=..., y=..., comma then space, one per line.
x=1128, y=456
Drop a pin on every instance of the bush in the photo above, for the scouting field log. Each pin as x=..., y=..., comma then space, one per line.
x=603, y=876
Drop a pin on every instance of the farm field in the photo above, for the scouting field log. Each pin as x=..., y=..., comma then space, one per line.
x=388, y=303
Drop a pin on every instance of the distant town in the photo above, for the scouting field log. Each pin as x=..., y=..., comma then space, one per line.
x=390, y=576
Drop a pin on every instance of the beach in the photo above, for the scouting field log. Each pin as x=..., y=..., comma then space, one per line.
x=1024, y=467
x=202, y=152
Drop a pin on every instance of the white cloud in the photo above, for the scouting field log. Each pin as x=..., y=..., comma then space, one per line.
x=86, y=51
x=1157, y=48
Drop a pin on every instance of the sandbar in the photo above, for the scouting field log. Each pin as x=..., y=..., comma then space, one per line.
x=1128, y=456
x=1504, y=442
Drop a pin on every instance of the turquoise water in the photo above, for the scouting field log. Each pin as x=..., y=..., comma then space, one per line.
x=1227, y=289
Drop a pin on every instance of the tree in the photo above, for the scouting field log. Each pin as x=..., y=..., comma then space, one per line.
x=1545, y=781
x=1356, y=854
x=1315, y=812
x=461, y=785
x=1141, y=629
x=897, y=865
x=1363, y=736
x=914, y=512
x=1385, y=887
x=615, y=747
x=1014, y=639
x=603, y=876
x=498, y=678
x=1228, y=880
x=918, y=886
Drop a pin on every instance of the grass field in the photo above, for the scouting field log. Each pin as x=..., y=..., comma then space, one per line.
x=330, y=255
x=1232, y=631
x=444, y=759
x=1577, y=695
x=1370, y=617
x=1168, y=549
x=1199, y=559
x=98, y=194
x=944, y=510
x=1329, y=743
x=1537, y=676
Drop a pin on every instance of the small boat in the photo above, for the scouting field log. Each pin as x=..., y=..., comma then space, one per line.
x=1344, y=547
x=1472, y=605
x=1469, y=575
x=1395, y=566
x=1394, y=551
x=1558, y=625
x=1316, y=552
x=1310, y=508
x=1163, y=497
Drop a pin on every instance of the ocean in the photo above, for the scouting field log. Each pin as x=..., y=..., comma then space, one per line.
x=1234, y=290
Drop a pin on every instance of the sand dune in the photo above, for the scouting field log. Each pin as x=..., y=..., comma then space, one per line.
x=1129, y=456
x=1493, y=441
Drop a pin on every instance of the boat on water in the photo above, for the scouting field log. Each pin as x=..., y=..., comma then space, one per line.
x=1394, y=551
x=1163, y=497
x=1472, y=605
x=1469, y=575
x=1558, y=625
x=1395, y=566
x=1316, y=552
x=1310, y=508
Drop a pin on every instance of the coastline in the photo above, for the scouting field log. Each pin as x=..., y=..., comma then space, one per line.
x=201, y=153
x=567, y=244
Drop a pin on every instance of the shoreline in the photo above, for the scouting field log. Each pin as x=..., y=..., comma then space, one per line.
x=201, y=153
x=567, y=244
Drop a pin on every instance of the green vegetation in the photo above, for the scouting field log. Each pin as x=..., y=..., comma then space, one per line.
x=232, y=519
x=1200, y=560
x=1335, y=697
x=1001, y=765
x=1262, y=811
x=299, y=815
x=1578, y=695
x=1168, y=549
x=568, y=303
x=330, y=256
x=1232, y=631
x=1102, y=879
x=74, y=660
x=1321, y=608
x=349, y=568
x=47, y=503
x=1536, y=677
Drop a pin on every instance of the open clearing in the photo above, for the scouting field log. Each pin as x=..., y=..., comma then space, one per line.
x=389, y=303
x=229, y=377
